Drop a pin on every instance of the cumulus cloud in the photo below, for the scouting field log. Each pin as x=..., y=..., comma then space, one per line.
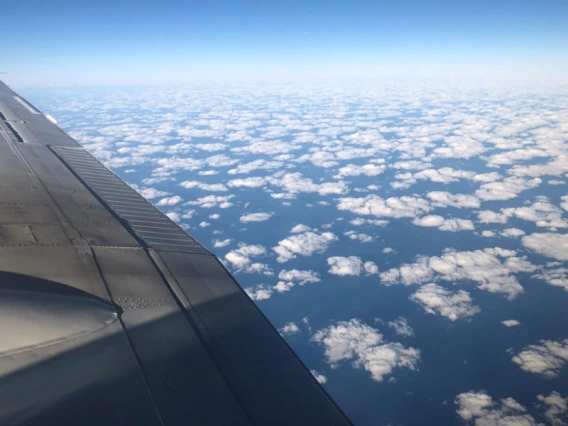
x=322, y=379
x=289, y=329
x=447, y=199
x=255, y=217
x=303, y=244
x=150, y=193
x=547, y=358
x=555, y=408
x=362, y=237
x=213, y=201
x=506, y=189
x=214, y=187
x=300, y=228
x=169, y=201
x=294, y=183
x=351, y=265
x=482, y=266
x=222, y=243
x=366, y=170
x=510, y=323
x=443, y=224
x=548, y=244
x=300, y=276
x=556, y=277
x=480, y=408
x=259, y=292
x=373, y=205
x=365, y=348
x=242, y=259
x=437, y=300
x=401, y=327
x=251, y=182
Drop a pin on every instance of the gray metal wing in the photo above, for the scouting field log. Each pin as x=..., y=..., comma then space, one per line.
x=111, y=314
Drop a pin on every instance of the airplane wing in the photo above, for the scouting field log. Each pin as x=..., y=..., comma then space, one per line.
x=111, y=314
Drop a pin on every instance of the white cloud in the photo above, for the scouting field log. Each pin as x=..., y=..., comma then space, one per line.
x=480, y=408
x=215, y=187
x=510, y=323
x=391, y=207
x=364, y=238
x=548, y=244
x=300, y=228
x=512, y=232
x=241, y=259
x=222, y=243
x=289, y=329
x=547, y=358
x=251, y=182
x=150, y=193
x=259, y=292
x=255, y=217
x=481, y=266
x=556, y=408
x=371, y=268
x=169, y=201
x=443, y=224
x=366, y=170
x=204, y=224
x=174, y=216
x=488, y=216
x=351, y=265
x=556, y=277
x=437, y=300
x=446, y=199
x=365, y=347
x=319, y=377
x=506, y=189
x=295, y=183
x=401, y=327
x=212, y=201
x=302, y=277
x=304, y=244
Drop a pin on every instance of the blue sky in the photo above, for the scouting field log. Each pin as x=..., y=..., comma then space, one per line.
x=125, y=42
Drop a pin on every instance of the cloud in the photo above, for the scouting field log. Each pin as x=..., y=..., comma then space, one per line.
x=366, y=170
x=512, y=232
x=506, y=189
x=251, y=182
x=547, y=358
x=446, y=199
x=482, y=266
x=556, y=408
x=295, y=183
x=169, y=201
x=222, y=243
x=302, y=277
x=174, y=216
x=255, y=217
x=241, y=259
x=366, y=348
x=215, y=187
x=304, y=244
x=319, y=377
x=480, y=408
x=548, y=244
x=150, y=193
x=437, y=300
x=351, y=265
x=300, y=228
x=371, y=268
x=373, y=205
x=442, y=224
x=401, y=327
x=259, y=292
x=212, y=201
x=289, y=329
x=556, y=277
x=510, y=323
x=364, y=238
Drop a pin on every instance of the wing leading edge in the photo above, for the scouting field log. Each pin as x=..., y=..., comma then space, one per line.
x=112, y=314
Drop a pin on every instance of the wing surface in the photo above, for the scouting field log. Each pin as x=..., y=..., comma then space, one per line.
x=111, y=314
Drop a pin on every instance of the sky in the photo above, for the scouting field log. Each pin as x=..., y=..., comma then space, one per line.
x=65, y=42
